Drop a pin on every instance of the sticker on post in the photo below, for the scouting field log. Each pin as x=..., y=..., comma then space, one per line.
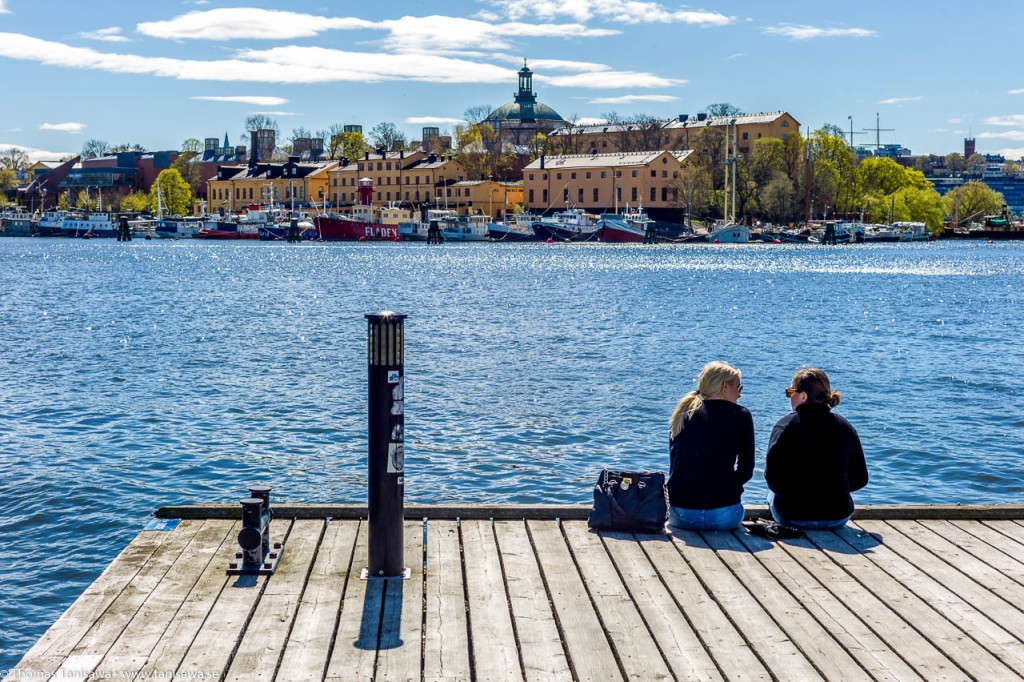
x=396, y=458
x=398, y=392
x=394, y=376
x=398, y=407
x=398, y=433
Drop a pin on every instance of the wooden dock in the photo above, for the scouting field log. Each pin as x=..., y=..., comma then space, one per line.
x=512, y=593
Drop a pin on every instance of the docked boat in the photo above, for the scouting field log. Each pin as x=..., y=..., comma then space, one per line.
x=569, y=225
x=16, y=224
x=881, y=233
x=51, y=224
x=465, y=228
x=177, y=227
x=729, y=233
x=519, y=230
x=419, y=230
x=364, y=223
x=226, y=230
x=913, y=231
x=96, y=224
x=839, y=233
x=621, y=228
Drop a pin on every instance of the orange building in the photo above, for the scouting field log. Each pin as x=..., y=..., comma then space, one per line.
x=484, y=197
x=284, y=184
x=410, y=178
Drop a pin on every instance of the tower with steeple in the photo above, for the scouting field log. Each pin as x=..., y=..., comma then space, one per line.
x=522, y=118
x=526, y=98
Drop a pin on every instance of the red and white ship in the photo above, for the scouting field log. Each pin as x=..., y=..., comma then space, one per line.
x=365, y=222
x=627, y=227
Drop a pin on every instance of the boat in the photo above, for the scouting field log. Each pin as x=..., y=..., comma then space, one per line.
x=572, y=224
x=177, y=227
x=419, y=230
x=214, y=228
x=881, y=233
x=364, y=223
x=96, y=224
x=630, y=226
x=16, y=224
x=465, y=228
x=913, y=231
x=839, y=233
x=51, y=224
x=726, y=232
x=519, y=230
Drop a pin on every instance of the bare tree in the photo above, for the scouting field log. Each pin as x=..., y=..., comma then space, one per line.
x=722, y=109
x=94, y=147
x=477, y=113
x=261, y=122
x=332, y=142
x=387, y=136
x=14, y=159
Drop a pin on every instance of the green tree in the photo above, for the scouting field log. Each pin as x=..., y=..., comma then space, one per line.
x=85, y=201
x=977, y=164
x=1010, y=168
x=352, y=146
x=189, y=165
x=63, y=203
x=972, y=201
x=482, y=153
x=175, y=195
x=955, y=162
x=192, y=145
x=8, y=179
x=135, y=202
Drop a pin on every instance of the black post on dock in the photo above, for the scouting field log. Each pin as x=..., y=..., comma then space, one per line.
x=293, y=231
x=650, y=234
x=434, y=233
x=385, y=342
x=124, y=230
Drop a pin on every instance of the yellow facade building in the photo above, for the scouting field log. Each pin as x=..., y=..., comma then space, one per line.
x=484, y=197
x=410, y=178
x=292, y=183
x=602, y=183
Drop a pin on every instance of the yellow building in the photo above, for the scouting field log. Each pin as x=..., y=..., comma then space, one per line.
x=677, y=133
x=601, y=183
x=484, y=197
x=292, y=183
x=408, y=178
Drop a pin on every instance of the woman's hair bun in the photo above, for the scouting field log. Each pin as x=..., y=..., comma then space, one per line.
x=833, y=398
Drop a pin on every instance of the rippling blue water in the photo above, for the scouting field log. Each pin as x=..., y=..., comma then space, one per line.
x=152, y=373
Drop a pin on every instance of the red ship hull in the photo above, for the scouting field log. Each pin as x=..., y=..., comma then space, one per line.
x=347, y=230
x=223, y=234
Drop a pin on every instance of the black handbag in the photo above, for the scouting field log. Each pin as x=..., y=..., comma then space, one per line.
x=634, y=501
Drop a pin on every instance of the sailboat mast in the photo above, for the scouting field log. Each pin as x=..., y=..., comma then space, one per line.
x=734, y=171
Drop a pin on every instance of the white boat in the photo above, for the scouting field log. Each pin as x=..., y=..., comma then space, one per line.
x=729, y=233
x=177, y=227
x=630, y=226
x=881, y=233
x=573, y=224
x=16, y=224
x=96, y=224
x=51, y=224
x=471, y=228
x=913, y=231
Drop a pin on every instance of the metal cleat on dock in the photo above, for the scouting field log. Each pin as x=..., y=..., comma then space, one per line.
x=258, y=556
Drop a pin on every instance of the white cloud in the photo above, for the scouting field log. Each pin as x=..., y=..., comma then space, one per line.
x=69, y=127
x=35, y=154
x=279, y=113
x=1017, y=135
x=797, y=32
x=550, y=64
x=899, y=100
x=627, y=99
x=434, y=33
x=432, y=120
x=109, y=35
x=1011, y=120
x=244, y=99
x=246, y=22
x=736, y=56
x=590, y=121
x=957, y=120
x=618, y=11
x=3, y=7
x=1012, y=153
x=11, y=130
x=612, y=79
x=1018, y=91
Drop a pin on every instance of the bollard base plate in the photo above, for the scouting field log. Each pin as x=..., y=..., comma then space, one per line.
x=365, y=575
x=267, y=567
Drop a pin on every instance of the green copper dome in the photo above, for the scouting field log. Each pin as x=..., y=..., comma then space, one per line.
x=513, y=111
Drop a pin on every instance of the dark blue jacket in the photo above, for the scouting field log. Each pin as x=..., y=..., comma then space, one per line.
x=814, y=462
x=712, y=456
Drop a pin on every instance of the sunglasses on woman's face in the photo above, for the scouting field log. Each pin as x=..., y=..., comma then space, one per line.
x=790, y=392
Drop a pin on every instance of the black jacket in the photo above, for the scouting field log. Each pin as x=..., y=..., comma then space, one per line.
x=712, y=456
x=814, y=461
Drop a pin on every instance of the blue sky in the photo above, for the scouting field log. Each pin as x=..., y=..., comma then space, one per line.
x=158, y=72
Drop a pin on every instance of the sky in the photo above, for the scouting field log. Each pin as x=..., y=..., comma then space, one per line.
x=158, y=72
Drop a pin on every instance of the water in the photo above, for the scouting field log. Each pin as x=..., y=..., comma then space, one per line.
x=153, y=373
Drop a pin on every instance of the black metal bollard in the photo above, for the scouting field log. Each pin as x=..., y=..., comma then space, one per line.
x=257, y=556
x=386, y=457
x=293, y=231
x=124, y=231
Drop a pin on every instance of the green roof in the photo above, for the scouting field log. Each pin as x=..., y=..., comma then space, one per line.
x=511, y=111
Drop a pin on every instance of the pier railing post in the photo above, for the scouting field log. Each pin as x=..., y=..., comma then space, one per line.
x=385, y=344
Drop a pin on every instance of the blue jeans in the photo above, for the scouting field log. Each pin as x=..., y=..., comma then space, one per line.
x=804, y=525
x=721, y=518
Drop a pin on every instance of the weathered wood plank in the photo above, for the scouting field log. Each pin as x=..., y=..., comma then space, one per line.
x=874, y=654
x=446, y=633
x=214, y=644
x=679, y=643
x=401, y=637
x=56, y=644
x=636, y=649
x=958, y=646
x=1006, y=536
x=540, y=644
x=815, y=642
x=731, y=652
x=305, y=655
x=84, y=658
x=920, y=653
x=772, y=644
x=177, y=638
x=584, y=636
x=996, y=557
x=354, y=651
x=133, y=647
x=965, y=603
x=495, y=655
x=267, y=631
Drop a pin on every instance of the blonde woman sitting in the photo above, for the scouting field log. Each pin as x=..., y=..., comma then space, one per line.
x=712, y=452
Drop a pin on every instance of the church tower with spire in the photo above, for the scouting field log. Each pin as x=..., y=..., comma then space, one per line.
x=526, y=98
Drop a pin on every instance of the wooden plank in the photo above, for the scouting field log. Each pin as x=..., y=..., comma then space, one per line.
x=575, y=512
x=917, y=651
x=814, y=641
x=135, y=644
x=964, y=561
x=966, y=653
x=988, y=619
x=772, y=645
x=583, y=635
x=730, y=651
x=995, y=556
x=495, y=655
x=84, y=658
x=309, y=644
x=635, y=647
x=1006, y=535
x=871, y=652
x=213, y=646
x=60, y=639
x=401, y=638
x=267, y=631
x=679, y=643
x=446, y=632
x=180, y=633
x=354, y=651
x=540, y=644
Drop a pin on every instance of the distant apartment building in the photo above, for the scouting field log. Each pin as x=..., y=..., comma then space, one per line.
x=285, y=184
x=676, y=134
x=601, y=183
x=408, y=178
x=484, y=197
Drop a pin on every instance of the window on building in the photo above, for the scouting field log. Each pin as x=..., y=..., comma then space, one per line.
x=664, y=193
x=544, y=176
x=572, y=176
x=407, y=196
x=654, y=194
x=335, y=182
x=604, y=174
x=388, y=165
x=428, y=195
x=746, y=135
x=604, y=143
x=595, y=195
x=302, y=192
x=784, y=124
x=632, y=194
x=417, y=195
x=544, y=196
x=565, y=195
x=389, y=196
x=531, y=196
x=785, y=137
x=588, y=175
x=378, y=196
x=335, y=197
x=633, y=174
x=558, y=176
x=407, y=179
x=654, y=173
x=380, y=166
x=579, y=198
x=618, y=194
x=531, y=176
